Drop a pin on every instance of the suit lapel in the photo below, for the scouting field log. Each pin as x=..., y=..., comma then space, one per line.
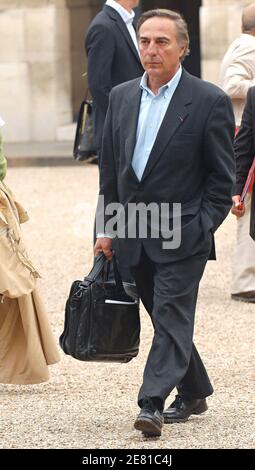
x=114, y=15
x=175, y=115
x=130, y=121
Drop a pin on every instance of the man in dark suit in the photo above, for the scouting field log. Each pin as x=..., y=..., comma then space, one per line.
x=113, y=56
x=168, y=139
x=244, y=153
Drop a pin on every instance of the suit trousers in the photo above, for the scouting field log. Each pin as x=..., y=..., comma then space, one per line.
x=169, y=294
x=243, y=267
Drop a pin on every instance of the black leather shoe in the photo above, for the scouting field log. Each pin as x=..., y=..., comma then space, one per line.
x=181, y=409
x=149, y=421
x=244, y=296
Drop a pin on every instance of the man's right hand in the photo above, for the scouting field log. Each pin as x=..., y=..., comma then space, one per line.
x=104, y=245
x=238, y=207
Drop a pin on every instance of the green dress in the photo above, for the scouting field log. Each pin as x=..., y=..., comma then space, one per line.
x=3, y=163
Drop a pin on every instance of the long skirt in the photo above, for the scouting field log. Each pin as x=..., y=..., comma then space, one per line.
x=27, y=345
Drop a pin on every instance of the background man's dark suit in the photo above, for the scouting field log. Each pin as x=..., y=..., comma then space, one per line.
x=191, y=163
x=245, y=151
x=112, y=59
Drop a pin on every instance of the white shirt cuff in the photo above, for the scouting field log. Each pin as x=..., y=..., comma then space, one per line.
x=104, y=235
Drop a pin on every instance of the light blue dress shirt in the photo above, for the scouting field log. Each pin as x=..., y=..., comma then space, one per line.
x=152, y=112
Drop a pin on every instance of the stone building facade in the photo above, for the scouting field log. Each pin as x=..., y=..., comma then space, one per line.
x=41, y=65
x=42, y=58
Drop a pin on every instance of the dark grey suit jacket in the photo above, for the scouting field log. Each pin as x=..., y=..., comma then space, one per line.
x=191, y=162
x=245, y=151
x=112, y=59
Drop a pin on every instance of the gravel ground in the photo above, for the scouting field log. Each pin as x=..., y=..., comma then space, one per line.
x=94, y=405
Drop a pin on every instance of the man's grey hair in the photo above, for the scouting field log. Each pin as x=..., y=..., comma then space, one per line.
x=182, y=34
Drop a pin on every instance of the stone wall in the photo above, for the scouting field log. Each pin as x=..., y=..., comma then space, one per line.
x=42, y=59
x=34, y=68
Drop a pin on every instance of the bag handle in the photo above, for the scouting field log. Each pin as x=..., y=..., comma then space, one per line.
x=88, y=96
x=98, y=268
x=117, y=276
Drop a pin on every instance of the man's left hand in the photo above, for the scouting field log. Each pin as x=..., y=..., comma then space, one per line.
x=238, y=207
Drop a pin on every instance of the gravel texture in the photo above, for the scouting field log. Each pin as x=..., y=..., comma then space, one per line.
x=93, y=405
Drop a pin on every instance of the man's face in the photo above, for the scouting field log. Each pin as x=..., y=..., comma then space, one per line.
x=160, y=52
x=129, y=4
x=134, y=3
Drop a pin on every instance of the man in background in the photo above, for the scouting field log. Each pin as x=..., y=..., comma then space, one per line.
x=237, y=75
x=113, y=56
x=244, y=152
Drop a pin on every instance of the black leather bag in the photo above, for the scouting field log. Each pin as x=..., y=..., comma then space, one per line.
x=84, y=147
x=102, y=322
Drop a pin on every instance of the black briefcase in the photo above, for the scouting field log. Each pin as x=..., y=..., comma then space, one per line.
x=84, y=147
x=102, y=322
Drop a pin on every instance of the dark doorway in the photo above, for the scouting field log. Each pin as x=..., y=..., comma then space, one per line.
x=190, y=11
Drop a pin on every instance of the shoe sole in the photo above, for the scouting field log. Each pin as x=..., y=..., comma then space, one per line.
x=247, y=300
x=197, y=411
x=148, y=428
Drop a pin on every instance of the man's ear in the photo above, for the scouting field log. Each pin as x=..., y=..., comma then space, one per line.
x=182, y=51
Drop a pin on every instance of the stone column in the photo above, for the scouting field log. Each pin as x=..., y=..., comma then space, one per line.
x=35, y=85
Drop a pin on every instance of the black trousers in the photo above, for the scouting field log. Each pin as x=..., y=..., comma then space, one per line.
x=169, y=294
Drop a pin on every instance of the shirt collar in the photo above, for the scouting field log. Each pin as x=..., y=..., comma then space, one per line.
x=249, y=36
x=164, y=89
x=125, y=15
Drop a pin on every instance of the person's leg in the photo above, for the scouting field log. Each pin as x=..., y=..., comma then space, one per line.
x=172, y=311
x=195, y=383
x=150, y=419
x=193, y=389
x=243, y=268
